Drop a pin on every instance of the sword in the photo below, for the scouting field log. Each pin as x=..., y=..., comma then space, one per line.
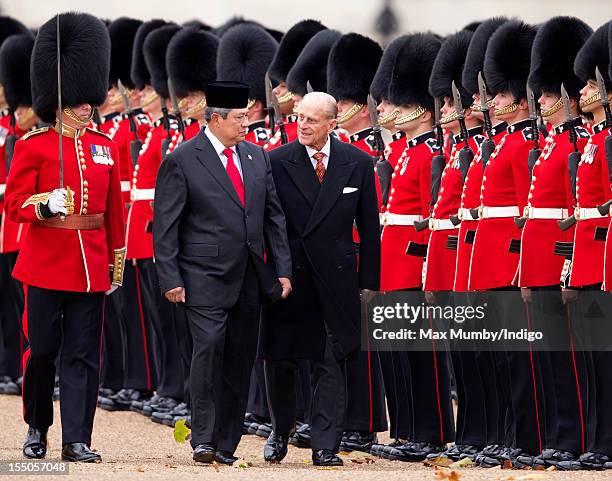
x=136, y=144
x=277, y=113
x=69, y=200
x=383, y=167
x=573, y=158
x=269, y=106
x=488, y=146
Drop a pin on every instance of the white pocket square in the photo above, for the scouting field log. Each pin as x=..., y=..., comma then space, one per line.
x=348, y=190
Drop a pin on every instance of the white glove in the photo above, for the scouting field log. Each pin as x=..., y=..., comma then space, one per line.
x=57, y=202
x=112, y=289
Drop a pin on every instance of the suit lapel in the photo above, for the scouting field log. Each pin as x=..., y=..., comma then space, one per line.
x=338, y=171
x=208, y=157
x=299, y=168
x=246, y=162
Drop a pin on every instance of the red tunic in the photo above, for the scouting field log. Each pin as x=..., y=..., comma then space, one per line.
x=109, y=122
x=470, y=199
x=505, y=183
x=258, y=133
x=291, y=130
x=410, y=195
x=64, y=259
x=439, y=268
x=592, y=189
x=550, y=188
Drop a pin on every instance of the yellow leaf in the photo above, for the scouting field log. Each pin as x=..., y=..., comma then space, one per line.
x=140, y=469
x=440, y=461
x=181, y=432
x=462, y=463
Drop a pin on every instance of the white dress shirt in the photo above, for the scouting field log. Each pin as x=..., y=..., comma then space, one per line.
x=324, y=150
x=219, y=148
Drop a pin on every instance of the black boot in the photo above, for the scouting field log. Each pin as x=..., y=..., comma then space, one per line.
x=79, y=453
x=35, y=445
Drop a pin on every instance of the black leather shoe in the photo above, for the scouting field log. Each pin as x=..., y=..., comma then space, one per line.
x=9, y=386
x=552, y=457
x=252, y=423
x=326, y=457
x=122, y=400
x=163, y=405
x=275, y=448
x=412, y=452
x=138, y=404
x=358, y=441
x=225, y=457
x=588, y=461
x=301, y=437
x=490, y=456
x=35, y=445
x=79, y=453
x=204, y=453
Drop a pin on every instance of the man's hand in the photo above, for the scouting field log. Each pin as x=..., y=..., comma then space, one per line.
x=176, y=295
x=286, y=285
x=57, y=202
x=367, y=295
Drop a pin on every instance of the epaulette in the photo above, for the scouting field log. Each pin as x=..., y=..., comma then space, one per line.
x=432, y=143
x=528, y=133
x=582, y=133
x=32, y=133
x=94, y=131
x=143, y=119
x=261, y=134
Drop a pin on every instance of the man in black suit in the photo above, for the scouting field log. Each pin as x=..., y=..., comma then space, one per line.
x=216, y=210
x=325, y=186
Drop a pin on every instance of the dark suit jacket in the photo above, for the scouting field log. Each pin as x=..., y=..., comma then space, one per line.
x=203, y=236
x=327, y=272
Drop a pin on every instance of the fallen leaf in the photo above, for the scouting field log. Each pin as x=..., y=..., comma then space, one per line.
x=462, y=463
x=440, y=461
x=215, y=466
x=328, y=468
x=507, y=465
x=181, y=432
x=140, y=469
x=442, y=474
x=551, y=468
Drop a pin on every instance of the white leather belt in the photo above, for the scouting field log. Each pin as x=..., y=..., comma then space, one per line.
x=398, y=219
x=441, y=224
x=2, y=188
x=486, y=212
x=142, y=194
x=545, y=213
x=586, y=213
x=125, y=186
x=466, y=214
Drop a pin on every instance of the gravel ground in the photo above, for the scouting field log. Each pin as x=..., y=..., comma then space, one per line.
x=133, y=447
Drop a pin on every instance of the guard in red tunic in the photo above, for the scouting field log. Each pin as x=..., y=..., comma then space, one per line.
x=73, y=205
x=289, y=48
x=351, y=66
x=245, y=53
x=495, y=255
x=551, y=198
x=11, y=294
x=593, y=189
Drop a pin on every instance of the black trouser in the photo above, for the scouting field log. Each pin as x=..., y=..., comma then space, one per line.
x=328, y=404
x=185, y=342
x=365, y=409
x=159, y=311
x=471, y=414
x=113, y=344
x=72, y=320
x=224, y=345
x=140, y=372
x=396, y=376
x=525, y=379
x=564, y=372
x=11, y=312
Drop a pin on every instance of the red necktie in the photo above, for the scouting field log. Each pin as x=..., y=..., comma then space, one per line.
x=320, y=167
x=234, y=175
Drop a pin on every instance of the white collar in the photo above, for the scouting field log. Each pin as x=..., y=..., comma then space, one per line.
x=325, y=149
x=216, y=143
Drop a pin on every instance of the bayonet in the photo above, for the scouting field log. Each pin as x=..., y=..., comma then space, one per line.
x=438, y=125
x=128, y=109
x=309, y=88
x=269, y=102
x=373, y=111
x=384, y=169
x=484, y=105
x=459, y=110
x=277, y=111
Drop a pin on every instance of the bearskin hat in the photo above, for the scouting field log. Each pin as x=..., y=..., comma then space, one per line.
x=472, y=26
x=448, y=67
x=244, y=55
x=410, y=77
x=552, y=56
x=85, y=63
x=379, y=88
x=594, y=53
x=508, y=58
x=15, y=55
x=290, y=47
x=191, y=60
x=155, y=48
x=9, y=26
x=122, y=34
x=139, y=72
x=351, y=66
x=195, y=23
x=474, y=59
x=311, y=65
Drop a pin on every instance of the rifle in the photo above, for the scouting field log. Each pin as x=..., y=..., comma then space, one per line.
x=136, y=144
x=383, y=167
x=488, y=145
x=269, y=106
x=176, y=111
x=277, y=111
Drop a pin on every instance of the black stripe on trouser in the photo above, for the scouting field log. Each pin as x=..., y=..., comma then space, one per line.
x=396, y=376
x=159, y=311
x=564, y=373
x=328, y=404
x=185, y=343
x=140, y=370
x=72, y=320
x=471, y=423
x=113, y=344
x=224, y=345
x=525, y=375
x=11, y=312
